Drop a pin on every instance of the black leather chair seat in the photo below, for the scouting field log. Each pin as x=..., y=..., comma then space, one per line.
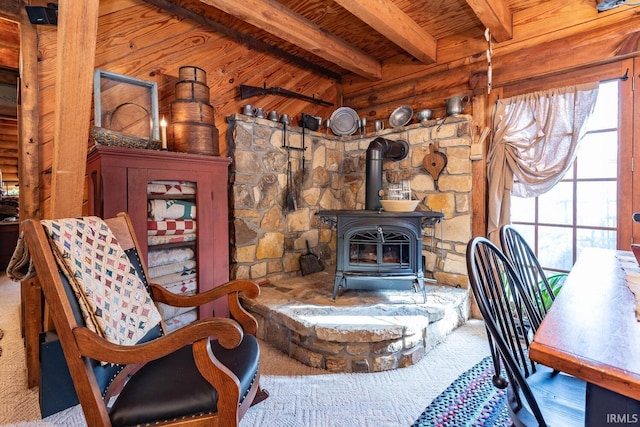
x=172, y=387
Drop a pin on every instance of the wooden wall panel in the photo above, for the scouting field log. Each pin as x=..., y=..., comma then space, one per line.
x=143, y=41
x=9, y=44
x=10, y=9
x=152, y=44
x=9, y=149
x=551, y=38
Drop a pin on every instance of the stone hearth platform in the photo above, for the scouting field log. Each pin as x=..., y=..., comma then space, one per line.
x=361, y=331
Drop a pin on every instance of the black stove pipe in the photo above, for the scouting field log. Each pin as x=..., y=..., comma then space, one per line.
x=378, y=150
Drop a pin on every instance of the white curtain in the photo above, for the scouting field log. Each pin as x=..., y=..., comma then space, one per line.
x=536, y=137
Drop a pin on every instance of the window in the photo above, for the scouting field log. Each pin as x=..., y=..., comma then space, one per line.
x=582, y=209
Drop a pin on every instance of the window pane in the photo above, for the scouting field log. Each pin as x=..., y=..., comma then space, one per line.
x=598, y=156
x=589, y=238
x=556, y=205
x=528, y=234
x=581, y=210
x=597, y=204
x=605, y=114
x=523, y=209
x=555, y=249
x=569, y=173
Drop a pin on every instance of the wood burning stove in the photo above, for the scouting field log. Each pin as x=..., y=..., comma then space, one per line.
x=379, y=250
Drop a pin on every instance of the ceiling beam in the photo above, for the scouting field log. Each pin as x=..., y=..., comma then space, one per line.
x=494, y=15
x=276, y=19
x=253, y=43
x=390, y=21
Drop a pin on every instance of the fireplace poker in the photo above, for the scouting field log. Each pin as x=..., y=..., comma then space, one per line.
x=291, y=195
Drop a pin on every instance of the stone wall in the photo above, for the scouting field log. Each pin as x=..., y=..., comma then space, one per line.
x=267, y=240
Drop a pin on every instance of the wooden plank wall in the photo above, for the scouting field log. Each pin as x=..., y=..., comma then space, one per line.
x=9, y=149
x=549, y=39
x=9, y=60
x=143, y=41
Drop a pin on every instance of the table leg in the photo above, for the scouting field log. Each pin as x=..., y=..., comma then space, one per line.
x=605, y=407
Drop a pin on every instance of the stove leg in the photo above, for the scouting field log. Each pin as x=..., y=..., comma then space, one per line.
x=339, y=282
x=420, y=285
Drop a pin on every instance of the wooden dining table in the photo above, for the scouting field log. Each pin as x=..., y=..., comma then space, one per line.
x=592, y=333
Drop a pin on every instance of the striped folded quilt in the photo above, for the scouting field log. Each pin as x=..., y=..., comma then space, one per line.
x=176, y=238
x=170, y=227
x=170, y=188
x=160, y=209
x=175, y=267
x=170, y=255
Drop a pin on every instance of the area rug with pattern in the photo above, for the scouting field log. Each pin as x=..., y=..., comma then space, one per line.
x=471, y=400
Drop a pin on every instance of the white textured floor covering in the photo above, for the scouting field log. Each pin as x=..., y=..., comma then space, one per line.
x=300, y=396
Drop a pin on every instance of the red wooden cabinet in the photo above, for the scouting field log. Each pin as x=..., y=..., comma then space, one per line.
x=117, y=182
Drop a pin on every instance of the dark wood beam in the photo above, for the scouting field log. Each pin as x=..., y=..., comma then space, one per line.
x=273, y=17
x=494, y=15
x=242, y=38
x=389, y=20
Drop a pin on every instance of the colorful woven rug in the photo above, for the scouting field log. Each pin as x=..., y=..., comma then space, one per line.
x=471, y=400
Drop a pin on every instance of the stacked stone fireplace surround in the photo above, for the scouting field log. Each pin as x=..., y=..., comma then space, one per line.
x=267, y=240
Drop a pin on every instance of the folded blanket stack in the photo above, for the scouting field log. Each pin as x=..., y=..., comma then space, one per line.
x=172, y=221
x=171, y=188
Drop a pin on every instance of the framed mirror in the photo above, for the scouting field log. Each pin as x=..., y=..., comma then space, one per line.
x=126, y=104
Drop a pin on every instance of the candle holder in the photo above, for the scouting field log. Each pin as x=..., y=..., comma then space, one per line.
x=163, y=132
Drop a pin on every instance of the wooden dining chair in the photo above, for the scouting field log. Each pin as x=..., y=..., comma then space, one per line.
x=524, y=260
x=537, y=395
x=125, y=369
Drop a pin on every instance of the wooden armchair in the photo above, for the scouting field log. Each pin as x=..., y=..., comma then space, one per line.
x=203, y=374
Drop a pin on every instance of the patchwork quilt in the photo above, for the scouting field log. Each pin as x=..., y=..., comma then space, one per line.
x=160, y=209
x=175, y=267
x=186, y=274
x=170, y=188
x=182, y=287
x=113, y=299
x=170, y=227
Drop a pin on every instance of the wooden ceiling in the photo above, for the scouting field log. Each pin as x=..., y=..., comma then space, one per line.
x=359, y=37
x=9, y=51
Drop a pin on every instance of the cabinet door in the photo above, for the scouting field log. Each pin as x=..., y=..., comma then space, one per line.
x=118, y=181
x=213, y=235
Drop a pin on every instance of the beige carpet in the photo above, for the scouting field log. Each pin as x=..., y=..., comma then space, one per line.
x=300, y=396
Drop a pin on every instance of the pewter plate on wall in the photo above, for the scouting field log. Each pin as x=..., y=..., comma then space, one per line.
x=401, y=116
x=344, y=121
